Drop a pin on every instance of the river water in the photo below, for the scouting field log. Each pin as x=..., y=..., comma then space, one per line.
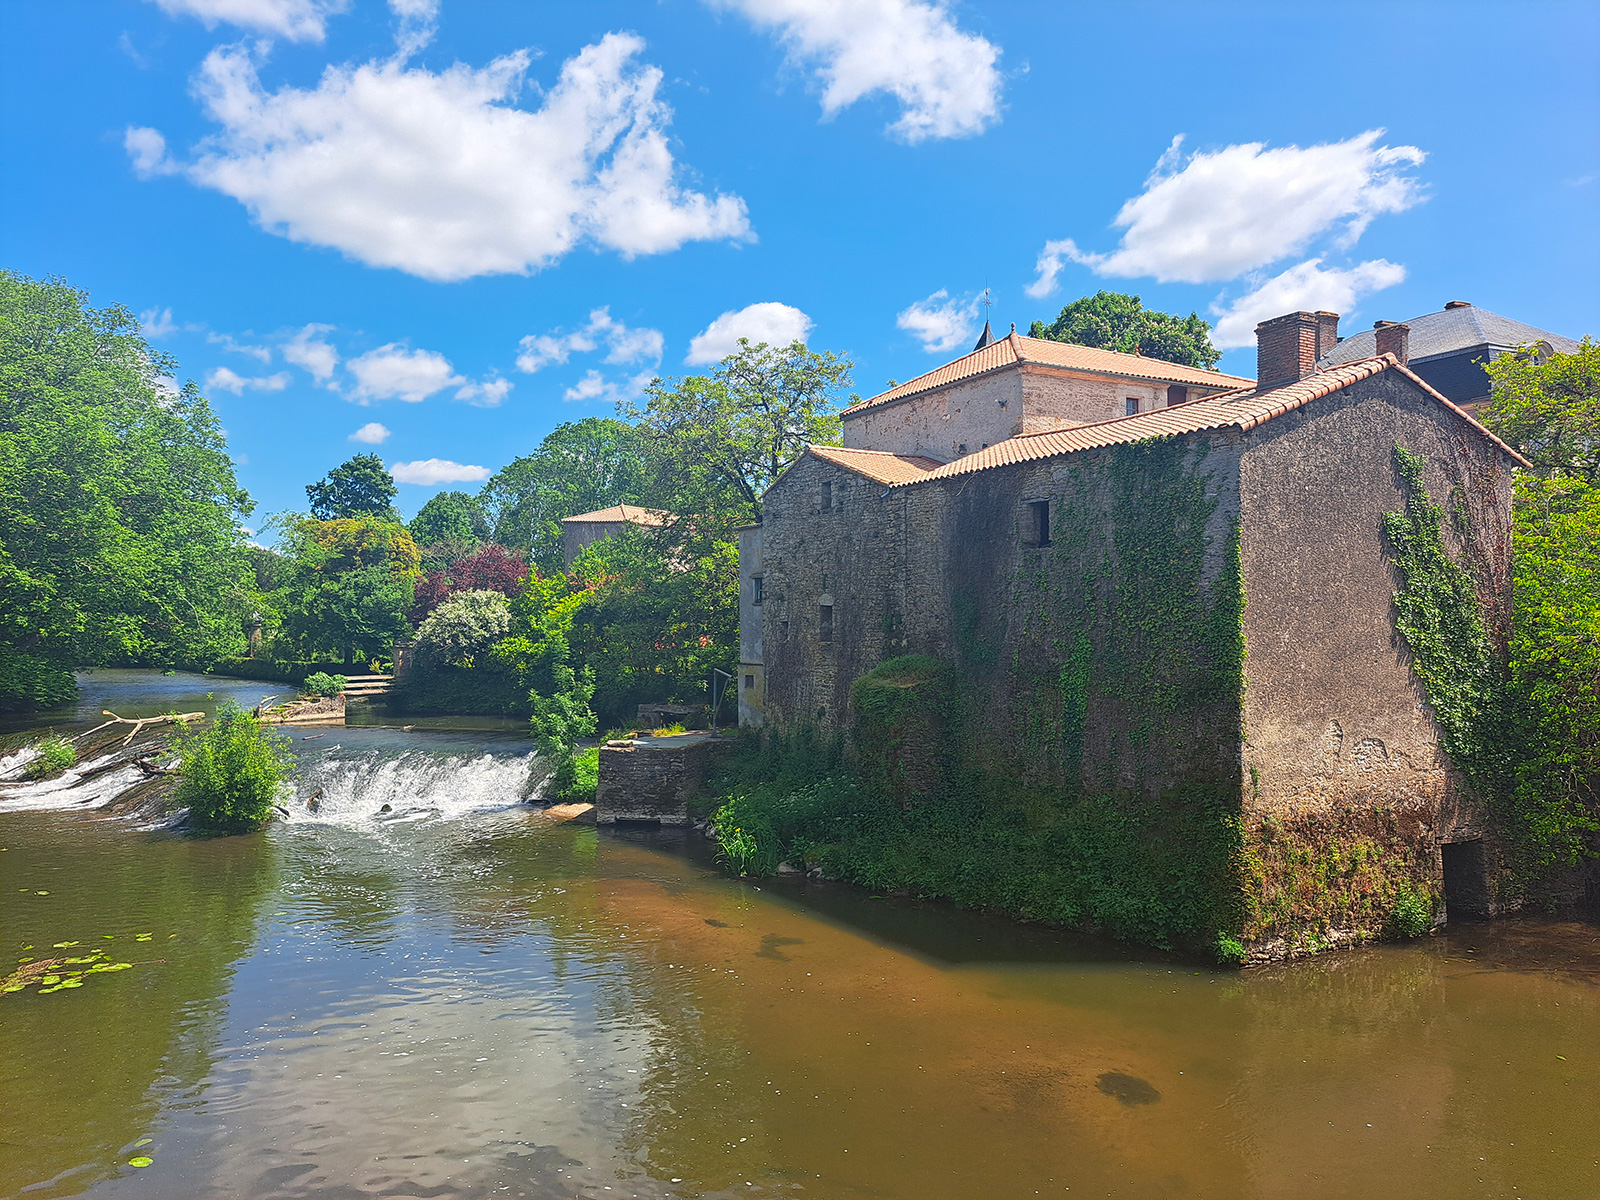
x=463, y=997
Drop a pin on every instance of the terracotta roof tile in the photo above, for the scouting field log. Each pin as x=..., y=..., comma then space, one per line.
x=879, y=465
x=623, y=512
x=1242, y=409
x=1009, y=351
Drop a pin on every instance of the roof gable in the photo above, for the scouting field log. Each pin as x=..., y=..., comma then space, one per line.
x=1452, y=331
x=631, y=513
x=881, y=466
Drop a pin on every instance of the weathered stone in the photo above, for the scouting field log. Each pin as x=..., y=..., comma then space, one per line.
x=652, y=779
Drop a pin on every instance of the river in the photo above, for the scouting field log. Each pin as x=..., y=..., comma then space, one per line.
x=463, y=997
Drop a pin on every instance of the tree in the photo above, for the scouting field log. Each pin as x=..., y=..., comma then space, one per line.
x=1548, y=407
x=579, y=467
x=720, y=439
x=119, y=510
x=359, y=488
x=453, y=517
x=351, y=582
x=1114, y=321
x=465, y=624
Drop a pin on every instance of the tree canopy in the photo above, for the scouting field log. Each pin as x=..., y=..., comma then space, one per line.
x=1115, y=321
x=349, y=584
x=119, y=510
x=358, y=488
x=453, y=517
x=1548, y=407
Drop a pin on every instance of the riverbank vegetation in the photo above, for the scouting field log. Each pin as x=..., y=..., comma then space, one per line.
x=233, y=771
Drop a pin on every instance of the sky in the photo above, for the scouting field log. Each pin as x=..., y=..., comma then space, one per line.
x=434, y=230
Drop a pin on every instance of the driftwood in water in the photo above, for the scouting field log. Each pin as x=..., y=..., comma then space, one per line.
x=140, y=722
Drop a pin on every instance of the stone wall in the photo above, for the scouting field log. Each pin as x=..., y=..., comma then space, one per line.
x=946, y=423
x=752, y=679
x=651, y=779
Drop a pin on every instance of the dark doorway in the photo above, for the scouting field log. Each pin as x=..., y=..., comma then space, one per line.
x=1466, y=881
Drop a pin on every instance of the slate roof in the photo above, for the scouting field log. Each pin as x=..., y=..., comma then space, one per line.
x=880, y=465
x=1435, y=335
x=1014, y=349
x=631, y=513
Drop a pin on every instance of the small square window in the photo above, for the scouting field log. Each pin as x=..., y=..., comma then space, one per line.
x=757, y=589
x=1039, y=521
x=749, y=683
x=1130, y=406
x=1177, y=394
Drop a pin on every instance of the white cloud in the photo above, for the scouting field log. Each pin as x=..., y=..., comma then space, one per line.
x=431, y=471
x=770, y=322
x=395, y=372
x=372, y=433
x=440, y=175
x=227, y=342
x=311, y=352
x=1306, y=287
x=623, y=345
x=297, y=20
x=148, y=150
x=940, y=323
x=157, y=323
x=486, y=394
x=418, y=21
x=1242, y=207
x=1049, y=267
x=225, y=380
x=595, y=386
x=945, y=79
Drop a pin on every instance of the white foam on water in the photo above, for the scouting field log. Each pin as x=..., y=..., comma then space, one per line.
x=415, y=784
x=68, y=789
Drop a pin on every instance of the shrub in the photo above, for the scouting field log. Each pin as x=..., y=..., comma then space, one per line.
x=54, y=754
x=1412, y=914
x=577, y=777
x=232, y=771
x=563, y=718
x=1229, y=950
x=464, y=624
x=323, y=684
x=29, y=682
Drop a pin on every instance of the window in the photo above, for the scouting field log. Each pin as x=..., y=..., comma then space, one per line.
x=1130, y=406
x=827, y=496
x=757, y=589
x=749, y=683
x=1177, y=394
x=1039, y=519
x=825, y=622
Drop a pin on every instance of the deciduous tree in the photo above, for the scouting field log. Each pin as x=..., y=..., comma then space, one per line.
x=1115, y=321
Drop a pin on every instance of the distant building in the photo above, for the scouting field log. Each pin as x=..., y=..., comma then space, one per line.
x=577, y=532
x=1449, y=349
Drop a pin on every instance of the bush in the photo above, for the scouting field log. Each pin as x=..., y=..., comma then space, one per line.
x=232, y=771
x=577, y=778
x=54, y=754
x=465, y=623
x=323, y=684
x=1229, y=950
x=1412, y=914
x=29, y=682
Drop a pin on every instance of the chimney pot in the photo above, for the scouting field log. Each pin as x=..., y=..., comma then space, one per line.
x=1457, y=304
x=1287, y=347
x=1393, y=338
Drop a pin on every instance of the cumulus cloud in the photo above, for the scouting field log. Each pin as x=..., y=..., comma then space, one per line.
x=225, y=380
x=312, y=353
x=770, y=322
x=157, y=323
x=432, y=471
x=147, y=150
x=487, y=393
x=595, y=386
x=297, y=20
x=1218, y=214
x=941, y=323
x=945, y=79
x=1309, y=287
x=230, y=343
x=372, y=433
x=396, y=372
x=440, y=174
x=623, y=345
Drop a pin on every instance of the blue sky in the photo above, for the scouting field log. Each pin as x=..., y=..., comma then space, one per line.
x=447, y=226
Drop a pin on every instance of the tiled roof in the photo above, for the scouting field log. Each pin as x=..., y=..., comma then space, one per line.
x=623, y=512
x=1009, y=351
x=1449, y=332
x=879, y=465
x=1243, y=409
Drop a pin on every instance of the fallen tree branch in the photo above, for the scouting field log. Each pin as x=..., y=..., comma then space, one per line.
x=139, y=723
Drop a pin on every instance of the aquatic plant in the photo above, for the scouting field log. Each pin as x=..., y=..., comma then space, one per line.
x=232, y=771
x=52, y=755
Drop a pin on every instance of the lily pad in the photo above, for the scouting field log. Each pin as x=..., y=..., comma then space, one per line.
x=38, y=893
x=143, y=1142
x=140, y=1161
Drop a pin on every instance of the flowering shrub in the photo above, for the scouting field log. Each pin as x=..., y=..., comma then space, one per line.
x=464, y=624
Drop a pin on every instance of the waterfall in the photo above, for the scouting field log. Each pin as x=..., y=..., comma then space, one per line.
x=68, y=790
x=353, y=787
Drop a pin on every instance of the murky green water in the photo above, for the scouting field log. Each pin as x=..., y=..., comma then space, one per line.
x=460, y=998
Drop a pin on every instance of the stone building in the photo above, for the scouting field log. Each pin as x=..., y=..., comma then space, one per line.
x=577, y=532
x=1086, y=580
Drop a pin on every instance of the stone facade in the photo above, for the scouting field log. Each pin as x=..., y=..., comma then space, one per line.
x=651, y=779
x=752, y=678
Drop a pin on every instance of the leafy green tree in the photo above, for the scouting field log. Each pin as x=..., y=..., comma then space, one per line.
x=465, y=624
x=450, y=517
x=119, y=510
x=359, y=488
x=580, y=466
x=719, y=440
x=350, y=584
x=232, y=771
x=1548, y=407
x=1115, y=321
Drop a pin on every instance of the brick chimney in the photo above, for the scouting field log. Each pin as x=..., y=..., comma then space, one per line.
x=1287, y=347
x=1449, y=304
x=1393, y=338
